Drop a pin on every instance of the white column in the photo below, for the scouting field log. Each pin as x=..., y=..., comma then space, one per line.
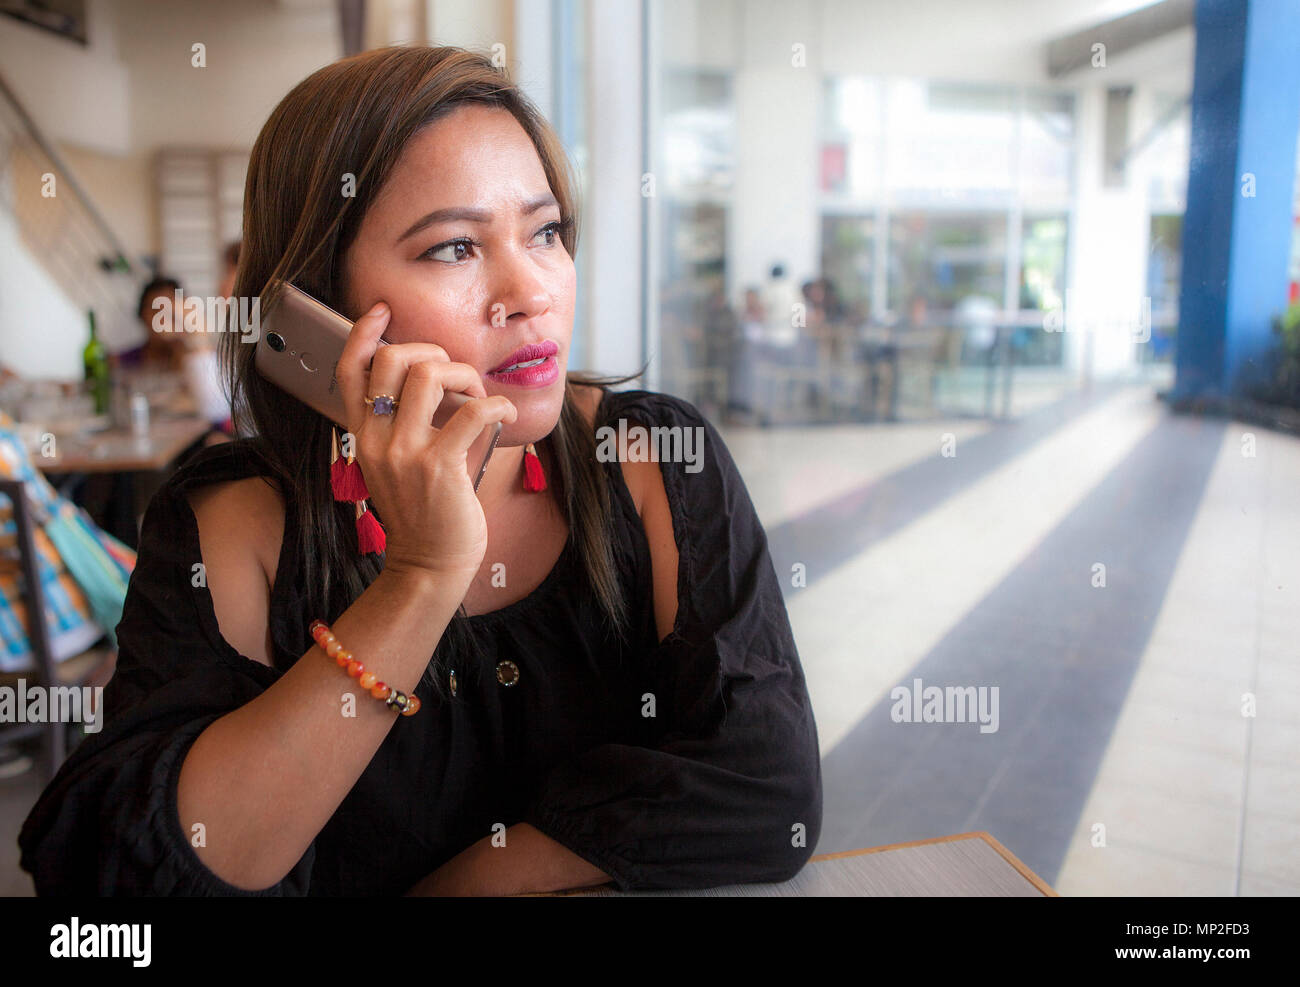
x=1107, y=276
x=612, y=228
x=533, y=55
x=774, y=213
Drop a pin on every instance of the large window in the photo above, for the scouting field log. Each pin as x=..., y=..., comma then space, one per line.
x=1042, y=262
x=848, y=261
x=954, y=141
x=946, y=257
x=948, y=171
x=1042, y=288
x=699, y=134
x=1164, y=282
x=1164, y=154
x=696, y=176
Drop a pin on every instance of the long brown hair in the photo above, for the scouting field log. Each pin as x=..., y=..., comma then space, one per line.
x=353, y=118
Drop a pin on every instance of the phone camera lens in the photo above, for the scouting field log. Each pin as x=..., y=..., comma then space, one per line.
x=275, y=341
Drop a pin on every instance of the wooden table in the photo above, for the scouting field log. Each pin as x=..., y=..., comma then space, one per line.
x=135, y=462
x=965, y=865
x=117, y=450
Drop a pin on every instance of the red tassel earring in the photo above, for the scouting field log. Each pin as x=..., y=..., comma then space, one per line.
x=345, y=474
x=370, y=533
x=534, y=476
x=349, y=486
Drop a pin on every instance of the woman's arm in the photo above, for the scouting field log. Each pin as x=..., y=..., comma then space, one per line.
x=264, y=779
x=529, y=861
x=646, y=485
x=724, y=784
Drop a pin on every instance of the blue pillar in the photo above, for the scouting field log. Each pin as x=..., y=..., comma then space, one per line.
x=1237, y=229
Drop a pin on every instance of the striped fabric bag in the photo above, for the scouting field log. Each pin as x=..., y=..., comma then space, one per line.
x=83, y=570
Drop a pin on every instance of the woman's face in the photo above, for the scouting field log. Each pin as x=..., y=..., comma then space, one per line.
x=463, y=244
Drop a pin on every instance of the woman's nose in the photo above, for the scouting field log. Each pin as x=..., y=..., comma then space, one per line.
x=520, y=289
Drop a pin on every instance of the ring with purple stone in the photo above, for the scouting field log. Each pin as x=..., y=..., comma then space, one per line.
x=383, y=404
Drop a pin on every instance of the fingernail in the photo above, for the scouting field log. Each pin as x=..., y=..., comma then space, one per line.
x=379, y=310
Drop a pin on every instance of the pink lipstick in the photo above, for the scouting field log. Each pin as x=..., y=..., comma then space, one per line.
x=533, y=365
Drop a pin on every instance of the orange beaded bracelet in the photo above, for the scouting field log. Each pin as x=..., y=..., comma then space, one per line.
x=399, y=701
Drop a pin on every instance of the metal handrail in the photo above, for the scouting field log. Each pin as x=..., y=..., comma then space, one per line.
x=120, y=260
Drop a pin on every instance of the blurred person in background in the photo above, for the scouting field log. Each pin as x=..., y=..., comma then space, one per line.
x=753, y=318
x=814, y=295
x=780, y=297
x=788, y=343
x=977, y=317
x=172, y=348
x=722, y=334
x=751, y=329
x=836, y=310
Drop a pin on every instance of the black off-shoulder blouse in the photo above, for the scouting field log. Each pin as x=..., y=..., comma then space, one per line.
x=721, y=785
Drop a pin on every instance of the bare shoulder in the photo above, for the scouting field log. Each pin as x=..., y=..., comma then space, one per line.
x=247, y=512
x=241, y=527
x=645, y=482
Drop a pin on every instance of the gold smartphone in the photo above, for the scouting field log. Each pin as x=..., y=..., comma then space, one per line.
x=298, y=350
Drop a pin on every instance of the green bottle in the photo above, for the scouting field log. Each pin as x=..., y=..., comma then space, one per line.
x=96, y=361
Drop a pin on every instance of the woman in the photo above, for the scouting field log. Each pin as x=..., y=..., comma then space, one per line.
x=169, y=349
x=614, y=693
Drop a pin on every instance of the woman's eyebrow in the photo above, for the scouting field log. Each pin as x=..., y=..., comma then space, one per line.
x=471, y=215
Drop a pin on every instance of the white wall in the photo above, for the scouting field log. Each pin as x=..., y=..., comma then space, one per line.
x=255, y=53
x=42, y=333
x=75, y=93
x=78, y=93
x=111, y=105
x=476, y=24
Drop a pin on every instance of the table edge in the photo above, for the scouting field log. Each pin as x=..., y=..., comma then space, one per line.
x=988, y=838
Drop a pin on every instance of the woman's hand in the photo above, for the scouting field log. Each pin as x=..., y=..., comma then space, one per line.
x=417, y=474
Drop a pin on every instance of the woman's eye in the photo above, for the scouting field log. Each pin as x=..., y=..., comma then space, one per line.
x=456, y=250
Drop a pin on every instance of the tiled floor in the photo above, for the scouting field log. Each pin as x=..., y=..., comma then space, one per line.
x=1122, y=763
x=1122, y=705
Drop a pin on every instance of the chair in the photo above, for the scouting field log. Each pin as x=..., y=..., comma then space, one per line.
x=88, y=668
x=693, y=376
x=927, y=354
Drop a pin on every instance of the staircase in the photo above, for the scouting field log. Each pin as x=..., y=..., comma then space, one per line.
x=64, y=232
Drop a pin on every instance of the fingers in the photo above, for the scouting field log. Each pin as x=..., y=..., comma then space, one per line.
x=468, y=423
x=422, y=391
x=388, y=370
x=351, y=370
x=418, y=375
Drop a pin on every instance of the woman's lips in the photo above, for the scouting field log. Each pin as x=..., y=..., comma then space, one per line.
x=528, y=353
x=538, y=375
